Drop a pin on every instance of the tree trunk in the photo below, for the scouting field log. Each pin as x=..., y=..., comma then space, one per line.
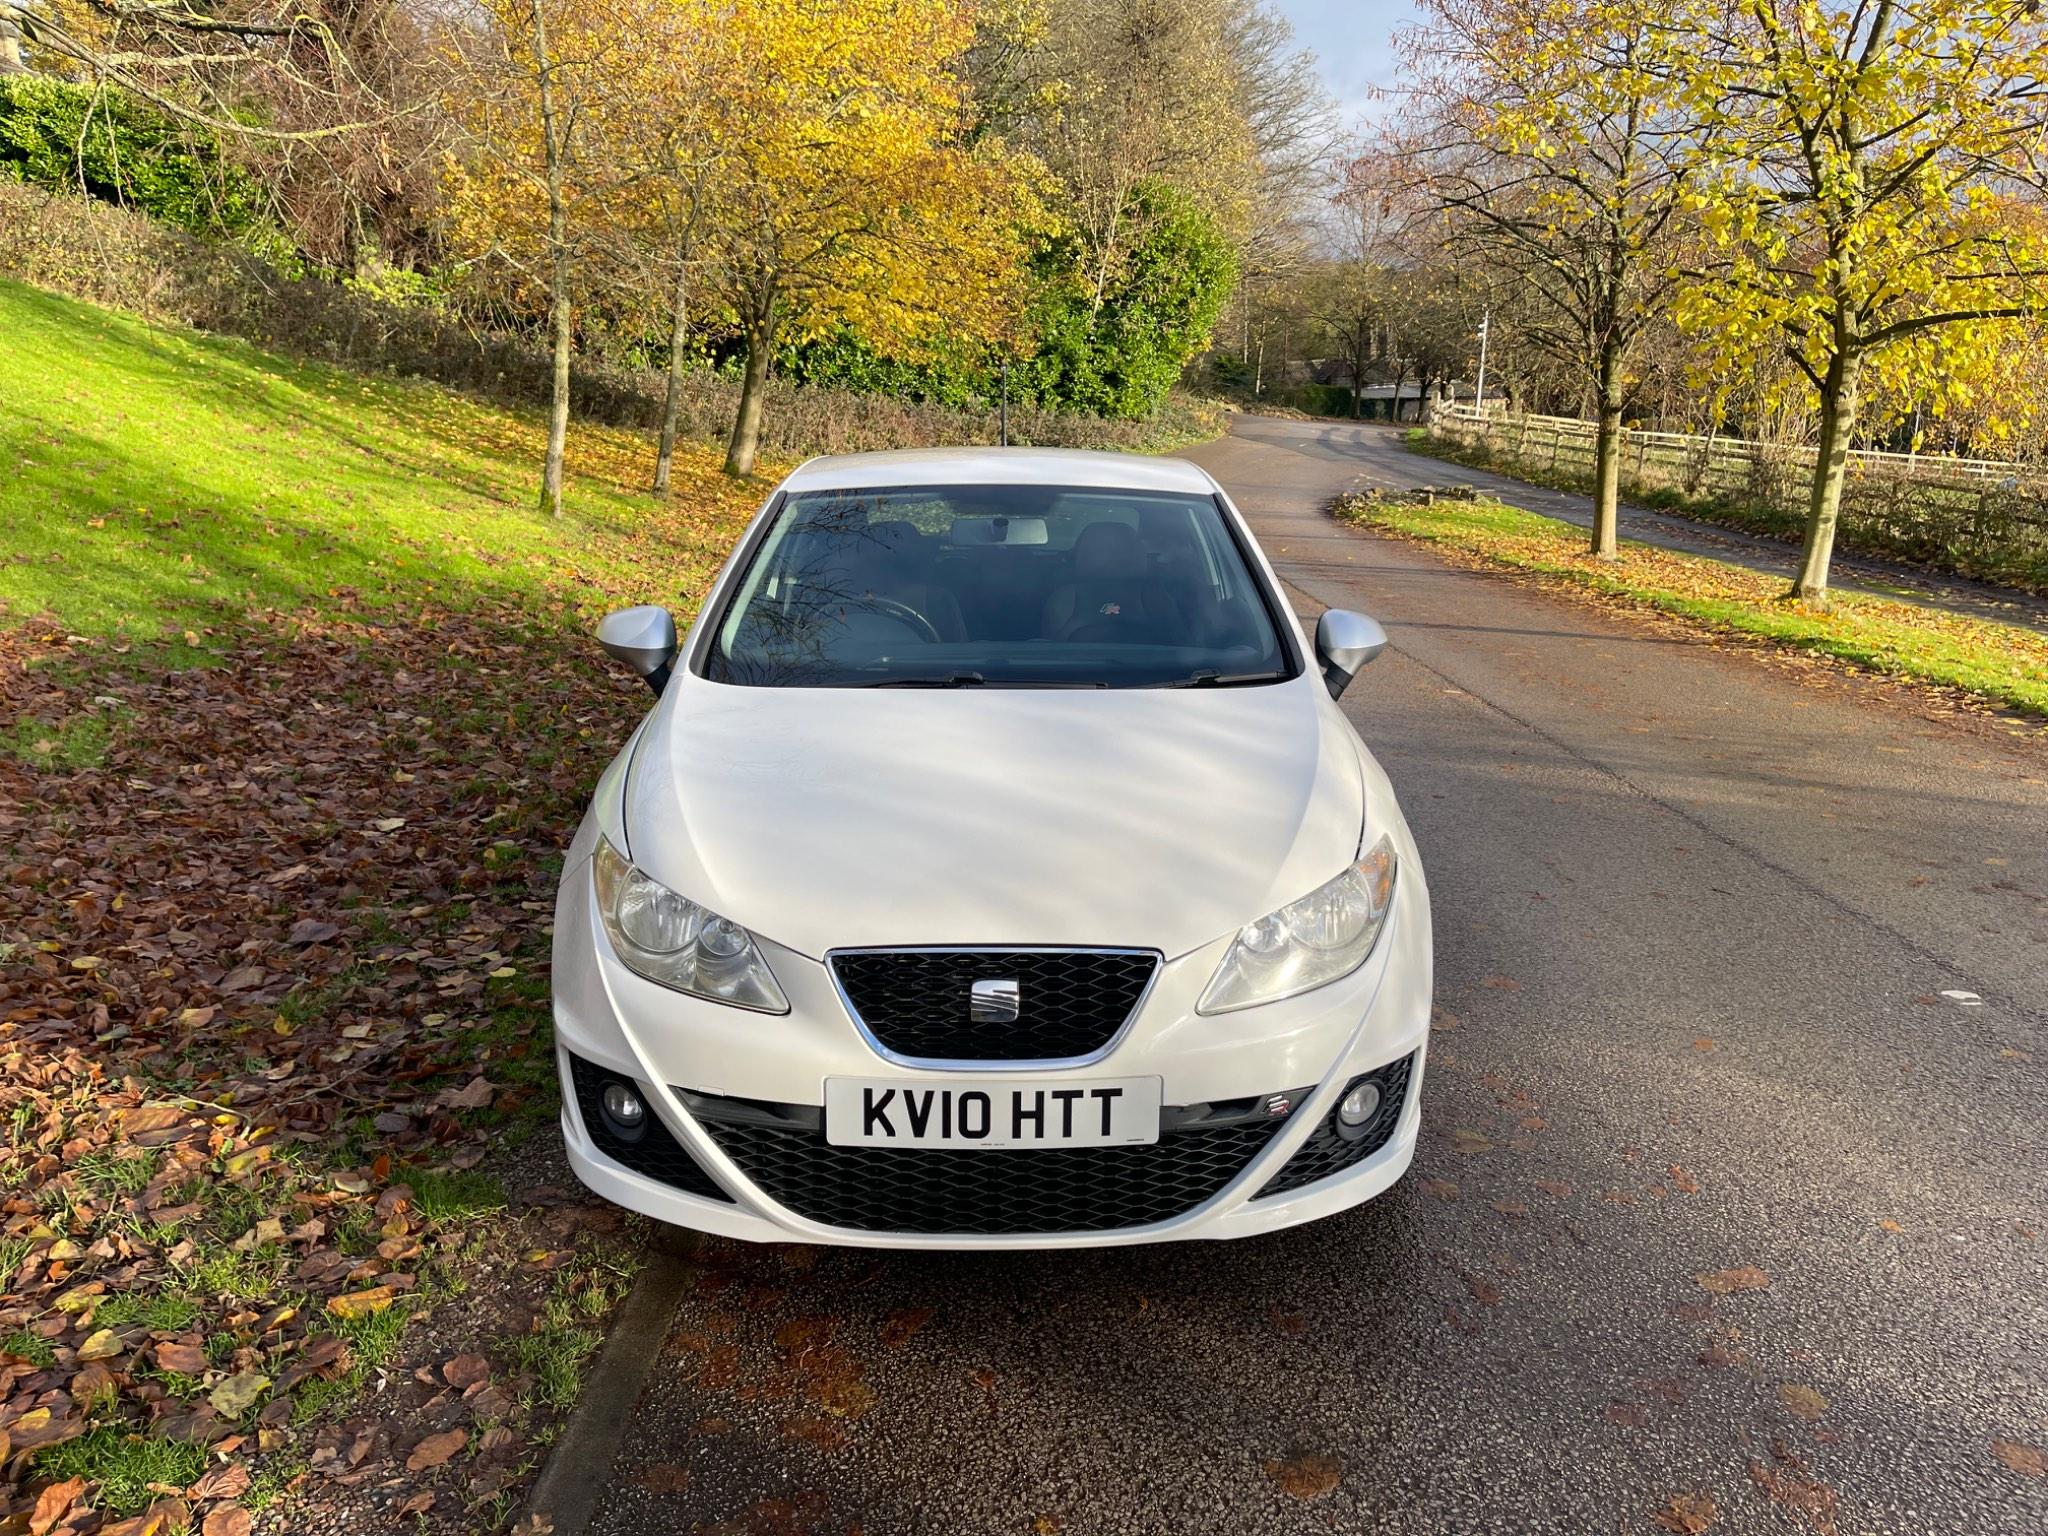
x=671, y=403
x=745, y=447
x=1838, y=405
x=559, y=272
x=1607, y=457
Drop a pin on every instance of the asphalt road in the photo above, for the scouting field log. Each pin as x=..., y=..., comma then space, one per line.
x=1695, y=914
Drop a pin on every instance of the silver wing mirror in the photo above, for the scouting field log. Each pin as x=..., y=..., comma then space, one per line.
x=644, y=639
x=1346, y=641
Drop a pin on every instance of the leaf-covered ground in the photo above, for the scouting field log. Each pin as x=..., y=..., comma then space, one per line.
x=2000, y=664
x=297, y=710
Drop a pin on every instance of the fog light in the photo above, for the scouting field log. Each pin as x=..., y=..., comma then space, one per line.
x=1359, y=1105
x=623, y=1111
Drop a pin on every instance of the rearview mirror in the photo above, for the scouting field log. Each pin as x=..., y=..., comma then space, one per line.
x=1346, y=641
x=644, y=639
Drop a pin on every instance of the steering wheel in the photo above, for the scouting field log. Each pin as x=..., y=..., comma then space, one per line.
x=888, y=607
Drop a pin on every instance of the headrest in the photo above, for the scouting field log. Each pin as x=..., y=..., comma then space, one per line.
x=1108, y=552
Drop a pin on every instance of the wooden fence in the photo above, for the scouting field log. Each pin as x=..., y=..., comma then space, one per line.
x=1981, y=517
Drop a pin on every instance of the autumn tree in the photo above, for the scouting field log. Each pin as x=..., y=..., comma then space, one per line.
x=1868, y=214
x=531, y=189
x=1559, y=149
x=847, y=193
x=668, y=164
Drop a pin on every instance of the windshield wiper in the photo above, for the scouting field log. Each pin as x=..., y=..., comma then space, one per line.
x=948, y=680
x=1209, y=677
x=976, y=680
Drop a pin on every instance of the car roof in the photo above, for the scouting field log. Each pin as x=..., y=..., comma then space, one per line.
x=1000, y=466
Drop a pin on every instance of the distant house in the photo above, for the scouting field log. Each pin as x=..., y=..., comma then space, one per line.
x=1377, y=401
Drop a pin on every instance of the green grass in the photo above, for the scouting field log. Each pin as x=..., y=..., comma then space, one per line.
x=78, y=741
x=31, y=1347
x=569, y=1329
x=2005, y=562
x=160, y=480
x=1999, y=663
x=124, y=1466
x=454, y=1196
x=372, y=1340
x=163, y=1313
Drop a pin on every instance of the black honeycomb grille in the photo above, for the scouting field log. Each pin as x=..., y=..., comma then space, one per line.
x=988, y=1193
x=1328, y=1151
x=654, y=1153
x=915, y=1002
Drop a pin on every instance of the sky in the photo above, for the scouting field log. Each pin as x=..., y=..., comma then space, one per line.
x=1353, y=39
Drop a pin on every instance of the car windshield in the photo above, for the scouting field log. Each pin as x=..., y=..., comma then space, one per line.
x=998, y=586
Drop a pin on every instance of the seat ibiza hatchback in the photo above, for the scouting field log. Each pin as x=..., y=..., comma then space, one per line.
x=995, y=870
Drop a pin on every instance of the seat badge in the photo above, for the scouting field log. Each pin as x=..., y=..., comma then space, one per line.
x=993, y=1002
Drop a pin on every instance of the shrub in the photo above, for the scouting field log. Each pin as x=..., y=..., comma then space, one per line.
x=1119, y=357
x=107, y=144
x=1120, y=354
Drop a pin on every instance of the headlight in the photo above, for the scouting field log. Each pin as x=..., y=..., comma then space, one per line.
x=1308, y=943
x=671, y=940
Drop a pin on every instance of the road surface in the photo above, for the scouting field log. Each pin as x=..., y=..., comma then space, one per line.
x=1697, y=916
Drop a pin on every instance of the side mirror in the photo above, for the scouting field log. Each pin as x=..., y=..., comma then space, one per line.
x=1345, y=642
x=644, y=639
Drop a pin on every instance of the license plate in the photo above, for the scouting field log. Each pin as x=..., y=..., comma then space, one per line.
x=991, y=1112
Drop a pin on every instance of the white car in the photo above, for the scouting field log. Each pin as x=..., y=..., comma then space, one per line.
x=994, y=871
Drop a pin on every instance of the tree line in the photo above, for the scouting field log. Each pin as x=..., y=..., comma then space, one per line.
x=945, y=199
x=1778, y=218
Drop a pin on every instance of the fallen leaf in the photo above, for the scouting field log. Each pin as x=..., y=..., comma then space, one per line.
x=465, y=1371
x=904, y=1324
x=1683, y=1182
x=1471, y=1141
x=1443, y=1189
x=1306, y=1477
x=52, y=1504
x=311, y=930
x=184, y=1359
x=1703, y=1043
x=227, y=1481
x=103, y=1345
x=435, y=1450
x=1796, y=1490
x=2027, y=1460
x=476, y=1094
x=238, y=1394
x=1726, y=1282
x=1557, y=1189
x=663, y=1477
x=418, y=1504
x=360, y=1304
x=1688, y=1514
x=227, y=1520
x=1802, y=1401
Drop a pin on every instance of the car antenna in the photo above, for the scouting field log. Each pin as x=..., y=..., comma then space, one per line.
x=1003, y=409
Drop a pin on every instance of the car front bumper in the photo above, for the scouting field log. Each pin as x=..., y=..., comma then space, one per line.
x=673, y=1047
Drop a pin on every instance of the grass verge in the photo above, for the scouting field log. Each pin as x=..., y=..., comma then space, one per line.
x=1999, y=561
x=301, y=706
x=1999, y=664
